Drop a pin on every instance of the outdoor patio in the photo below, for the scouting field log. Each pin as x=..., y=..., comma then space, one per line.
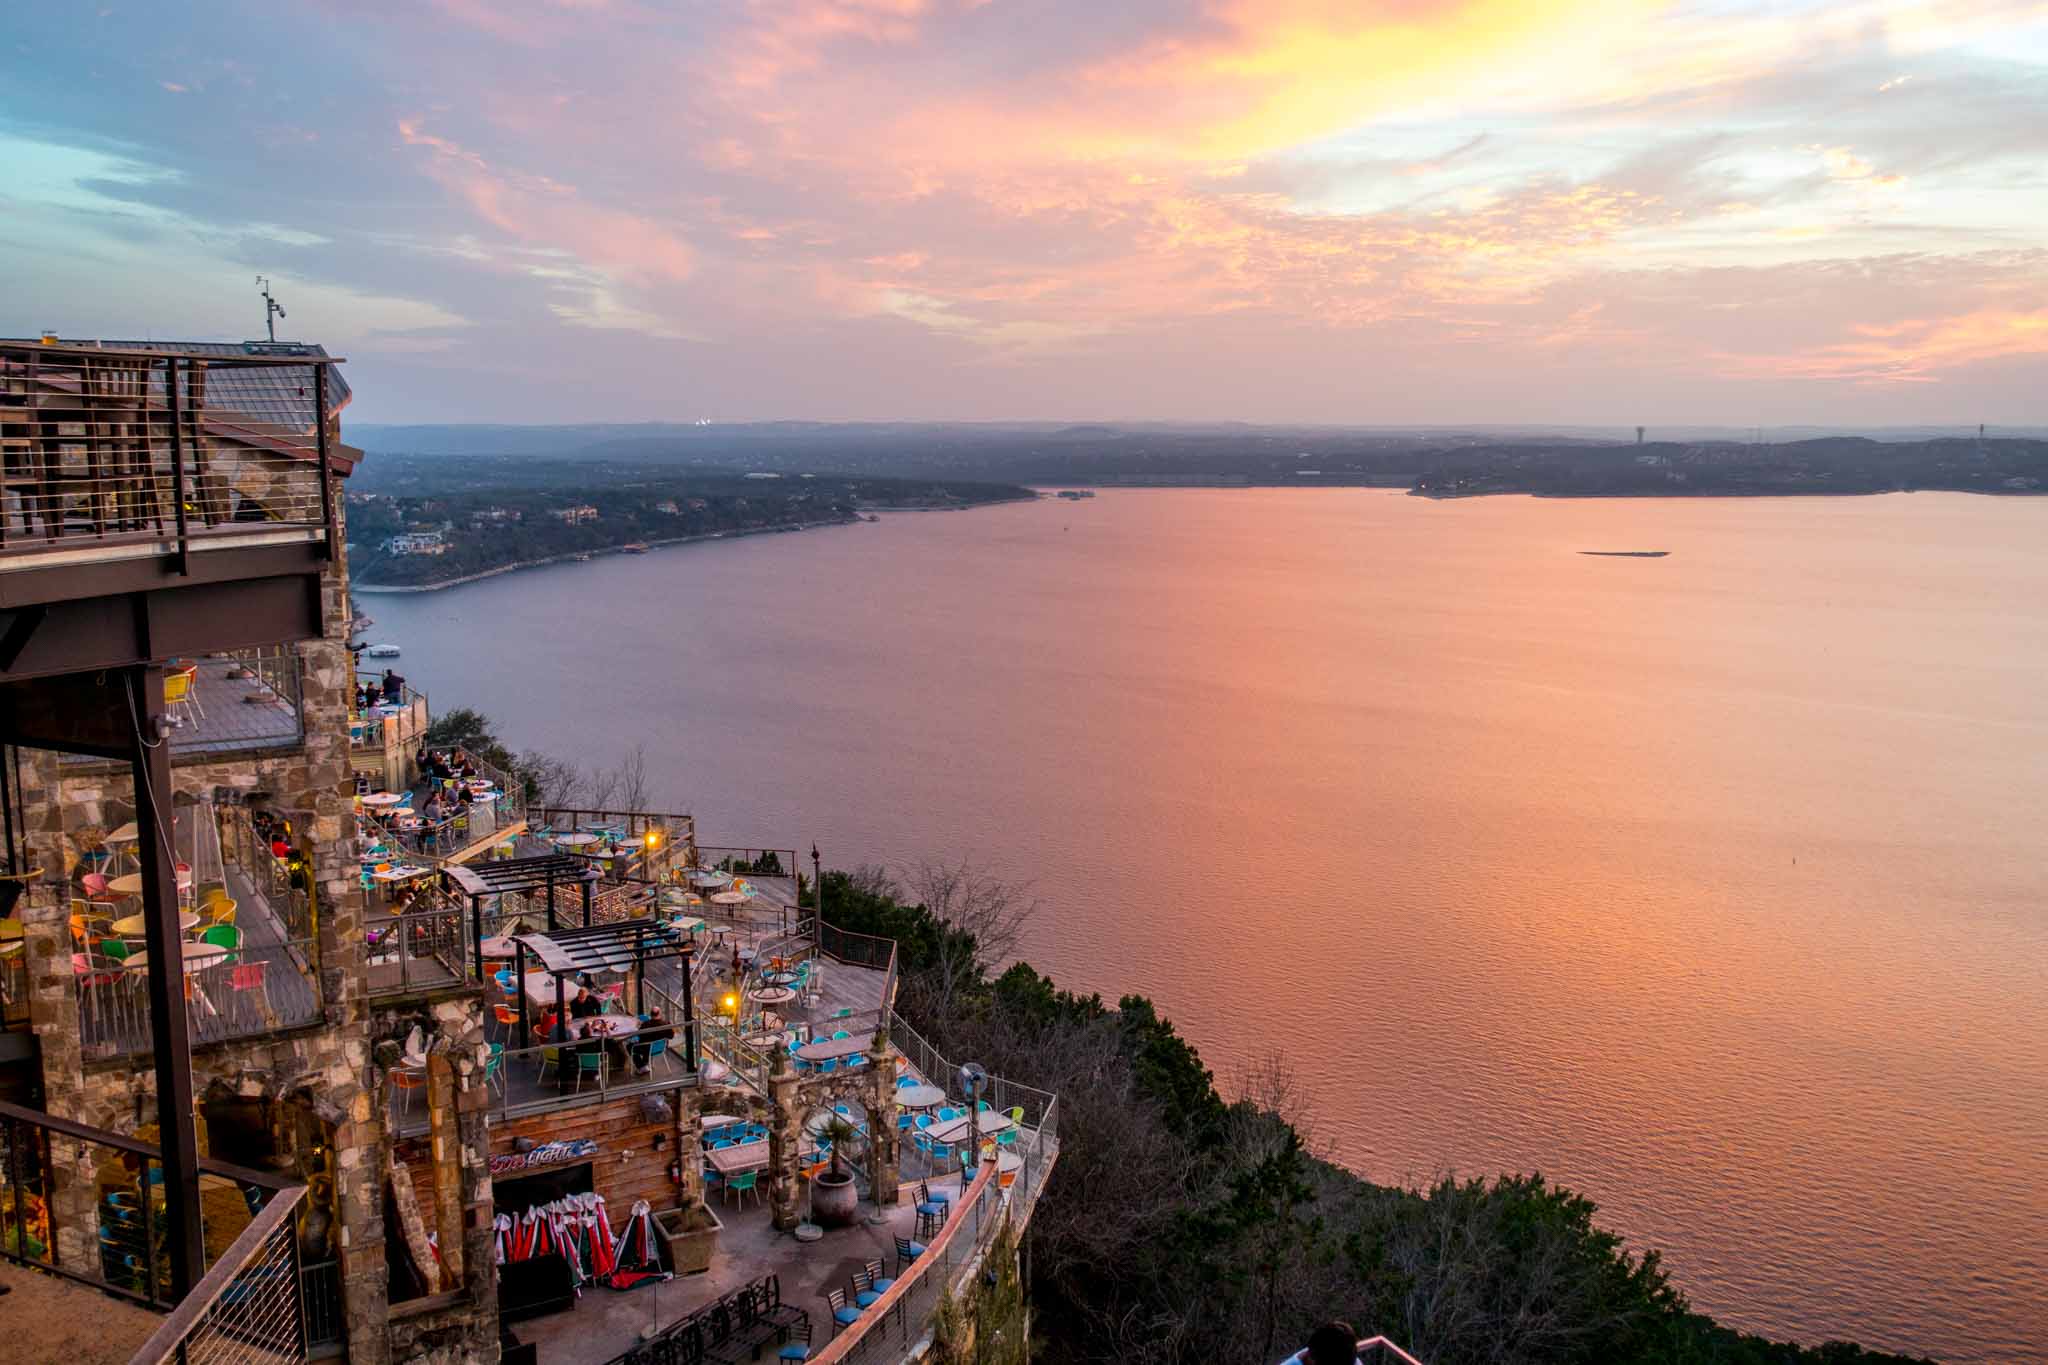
x=605, y=1322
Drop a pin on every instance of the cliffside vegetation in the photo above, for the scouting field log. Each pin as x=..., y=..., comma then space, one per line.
x=1181, y=1227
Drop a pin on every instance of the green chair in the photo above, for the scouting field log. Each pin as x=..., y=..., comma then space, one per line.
x=743, y=1185
x=224, y=936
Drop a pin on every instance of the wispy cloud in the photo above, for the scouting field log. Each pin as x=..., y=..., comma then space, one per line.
x=832, y=207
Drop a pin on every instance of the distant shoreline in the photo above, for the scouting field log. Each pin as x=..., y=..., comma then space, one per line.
x=571, y=555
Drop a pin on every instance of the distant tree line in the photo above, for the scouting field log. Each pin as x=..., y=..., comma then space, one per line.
x=490, y=513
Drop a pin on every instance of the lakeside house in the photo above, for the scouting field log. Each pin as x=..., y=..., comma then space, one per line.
x=416, y=543
x=575, y=516
x=285, y=1059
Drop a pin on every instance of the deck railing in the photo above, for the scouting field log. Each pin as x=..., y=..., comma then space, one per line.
x=888, y=1329
x=88, y=1204
x=143, y=452
x=249, y=1307
x=1041, y=1108
x=256, y=989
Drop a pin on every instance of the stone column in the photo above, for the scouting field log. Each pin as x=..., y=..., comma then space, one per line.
x=884, y=1143
x=360, y=1160
x=446, y=1145
x=785, y=1144
x=689, y=1145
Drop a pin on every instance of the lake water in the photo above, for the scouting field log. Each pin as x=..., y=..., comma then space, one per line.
x=1713, y=886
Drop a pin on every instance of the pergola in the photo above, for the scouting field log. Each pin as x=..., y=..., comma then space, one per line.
x=568, y=949
x=626, y=946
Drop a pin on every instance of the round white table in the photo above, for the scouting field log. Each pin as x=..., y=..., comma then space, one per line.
x=499, y=947
x=989, y=1121
x=383, y=800
x=575, y=839
x=198, y=957
x=704, y=878
x=773, y=995
x=133, y=926
x=919, y=1096
x=729, y=898
x=605, y=1026
x=130, y=885
x=126, y=834
x=403, y=873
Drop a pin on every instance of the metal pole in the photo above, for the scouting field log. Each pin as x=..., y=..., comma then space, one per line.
x=320, y=437
x=178, y=462
x=817, y=900
x=151, y=764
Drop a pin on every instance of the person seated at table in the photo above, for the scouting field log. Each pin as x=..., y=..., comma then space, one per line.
x=585, y=1005
x=649, y=1033
x=464, y=796
x=362, y=697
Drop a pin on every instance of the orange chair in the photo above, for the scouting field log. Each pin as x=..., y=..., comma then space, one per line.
x=408, y=1081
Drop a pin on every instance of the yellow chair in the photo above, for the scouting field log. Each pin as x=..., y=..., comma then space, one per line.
x=223, y=912
x=178, y=697
x=214, y=894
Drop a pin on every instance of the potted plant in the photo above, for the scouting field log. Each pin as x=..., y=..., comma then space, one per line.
x=689, y=1233
x=833, y=1195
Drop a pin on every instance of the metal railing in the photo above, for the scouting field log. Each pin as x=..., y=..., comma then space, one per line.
x=424, y=949
x=248, y=1307
x=888, y=1328
x=397, y=728
x=88, y=1204
x=679, y=830
x=154, y=451
x=749, y=862
x=320, y=1297
x=1040, y=1116
x=251, y=990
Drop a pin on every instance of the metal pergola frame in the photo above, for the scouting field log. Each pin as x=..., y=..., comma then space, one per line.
x=605, y=948
x=575, y=948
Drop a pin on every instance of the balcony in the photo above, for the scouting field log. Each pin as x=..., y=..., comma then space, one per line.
x=136, y=468
x=251, y=968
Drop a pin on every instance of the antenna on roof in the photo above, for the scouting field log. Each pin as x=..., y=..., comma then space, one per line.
x=272, y=309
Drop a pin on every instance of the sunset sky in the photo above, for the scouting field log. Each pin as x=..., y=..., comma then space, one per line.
x=1382, y=211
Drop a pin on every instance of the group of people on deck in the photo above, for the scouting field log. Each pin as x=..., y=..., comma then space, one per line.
x=391, y=688
x=630, y=1051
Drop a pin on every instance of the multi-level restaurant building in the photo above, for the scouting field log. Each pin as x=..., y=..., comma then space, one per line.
x=291, y=1066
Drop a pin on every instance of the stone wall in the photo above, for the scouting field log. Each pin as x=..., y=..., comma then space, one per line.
x=330, y=1070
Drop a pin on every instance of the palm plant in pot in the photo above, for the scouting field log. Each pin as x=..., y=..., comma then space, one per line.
x=833, y=1194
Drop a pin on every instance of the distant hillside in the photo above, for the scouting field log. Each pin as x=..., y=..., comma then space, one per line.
x=1437, y=461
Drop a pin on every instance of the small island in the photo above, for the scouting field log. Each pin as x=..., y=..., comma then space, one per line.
x=1627, y=554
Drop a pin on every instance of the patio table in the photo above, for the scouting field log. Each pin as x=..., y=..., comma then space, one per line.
x=126, y=834
x=729, y=898
x=606, y=1026
x=782, y=978
x=540, y=987
x=706, y=877
x=827, y=1049
x=382, y=800
x=403, y=872
x=197, y=957
x=774, y=995
x=919, y=1096
x=575, y=839
x=739, y=1158
x=501, y=946
x=130, y=885
x=989, y=1121
x=133, y=926
x=718, y=1120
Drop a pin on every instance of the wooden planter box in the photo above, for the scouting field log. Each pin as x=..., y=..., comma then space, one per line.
x=689, y=1234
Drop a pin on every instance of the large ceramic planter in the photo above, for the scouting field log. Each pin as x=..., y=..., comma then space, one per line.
x=833, y=1198
x=690, y=1234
